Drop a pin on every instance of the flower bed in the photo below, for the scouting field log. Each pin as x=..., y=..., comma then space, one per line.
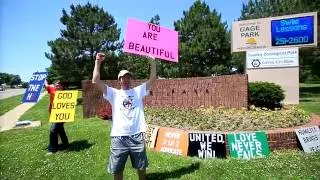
x=222, y=119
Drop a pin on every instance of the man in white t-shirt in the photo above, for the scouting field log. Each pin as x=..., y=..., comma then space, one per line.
x=128, y=121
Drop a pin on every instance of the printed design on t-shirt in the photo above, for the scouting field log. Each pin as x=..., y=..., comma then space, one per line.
x=127, y=102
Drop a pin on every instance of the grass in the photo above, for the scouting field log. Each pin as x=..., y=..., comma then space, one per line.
x=38, y=112
x=10, y=103
x=310, y=98
x=22, y=156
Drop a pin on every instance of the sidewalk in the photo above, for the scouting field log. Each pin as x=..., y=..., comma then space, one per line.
x=8, y=120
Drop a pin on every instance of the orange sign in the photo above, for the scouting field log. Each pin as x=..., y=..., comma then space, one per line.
x=174, y=141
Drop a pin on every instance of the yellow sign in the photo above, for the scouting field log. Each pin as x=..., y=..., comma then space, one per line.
x=64, y=106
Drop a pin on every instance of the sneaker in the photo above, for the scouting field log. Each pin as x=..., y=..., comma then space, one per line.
x=49, y=153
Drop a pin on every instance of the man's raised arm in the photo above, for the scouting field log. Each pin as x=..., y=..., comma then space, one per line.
x=45, y=84
x=96, y=72
x=153, y=72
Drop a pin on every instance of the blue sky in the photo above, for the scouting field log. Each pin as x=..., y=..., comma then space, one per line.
x=27, y=25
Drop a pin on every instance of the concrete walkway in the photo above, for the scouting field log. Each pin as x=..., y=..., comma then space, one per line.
x=9, y=119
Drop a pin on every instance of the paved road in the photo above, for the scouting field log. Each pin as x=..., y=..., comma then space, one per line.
x=11, y=92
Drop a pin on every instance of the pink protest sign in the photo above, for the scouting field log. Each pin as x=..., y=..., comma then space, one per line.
x=145, y=38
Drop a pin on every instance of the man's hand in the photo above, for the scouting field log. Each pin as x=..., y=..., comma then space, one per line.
x=151, y=57
x=153, y=71
x=45, y=83
x=100, y=57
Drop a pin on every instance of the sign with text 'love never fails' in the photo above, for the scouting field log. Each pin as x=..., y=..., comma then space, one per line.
x=171, y=140
x=64, y=106
x=144, y=38
x=248, y=145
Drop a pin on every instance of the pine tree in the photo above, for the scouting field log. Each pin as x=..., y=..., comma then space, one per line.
x=88, y=30
x=204, y=47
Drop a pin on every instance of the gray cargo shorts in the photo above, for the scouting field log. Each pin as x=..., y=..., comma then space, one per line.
x=124, y=146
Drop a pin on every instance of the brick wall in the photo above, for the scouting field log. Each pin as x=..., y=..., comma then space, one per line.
x=229, y=91
x=283, y=139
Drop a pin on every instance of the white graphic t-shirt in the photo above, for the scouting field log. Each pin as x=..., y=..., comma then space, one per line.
x=127, y=110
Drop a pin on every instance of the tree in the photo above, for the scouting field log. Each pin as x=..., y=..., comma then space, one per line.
x=309, y=57
x=10, y=79
x=88, y=30
x=5, y=78
x=138, y=65
x=15, y=80
x=25, y=84
x=204, y=47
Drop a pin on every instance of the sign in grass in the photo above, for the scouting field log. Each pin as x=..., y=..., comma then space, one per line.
x=151, y=136
x=309, y=138
x=248, y=145
x=207, y=145
x=174, y=141
x=34, y=88
x=144, y=38
x=64, y=106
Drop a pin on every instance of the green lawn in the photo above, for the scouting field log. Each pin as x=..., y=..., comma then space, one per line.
x=10, y=103
x=22, y=156
x=310, y=97
x=38, y=112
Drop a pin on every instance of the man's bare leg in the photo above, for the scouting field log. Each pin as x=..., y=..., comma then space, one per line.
x=118, y=176
x=142, y=174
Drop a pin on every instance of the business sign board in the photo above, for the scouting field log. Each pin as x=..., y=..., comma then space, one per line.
x=207, y=145
x=250, y=35
x=283, y=31
x=273, y=58
x=64, y=106
x=248, y=145
x=309, y=138
x=34, y=88
x=144, y=38
x=293, y=31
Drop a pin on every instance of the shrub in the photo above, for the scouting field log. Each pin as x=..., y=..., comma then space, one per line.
x=105, y=112
x=265, y=94
x=223, y=119
x=25, y=84
x=79, y=101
